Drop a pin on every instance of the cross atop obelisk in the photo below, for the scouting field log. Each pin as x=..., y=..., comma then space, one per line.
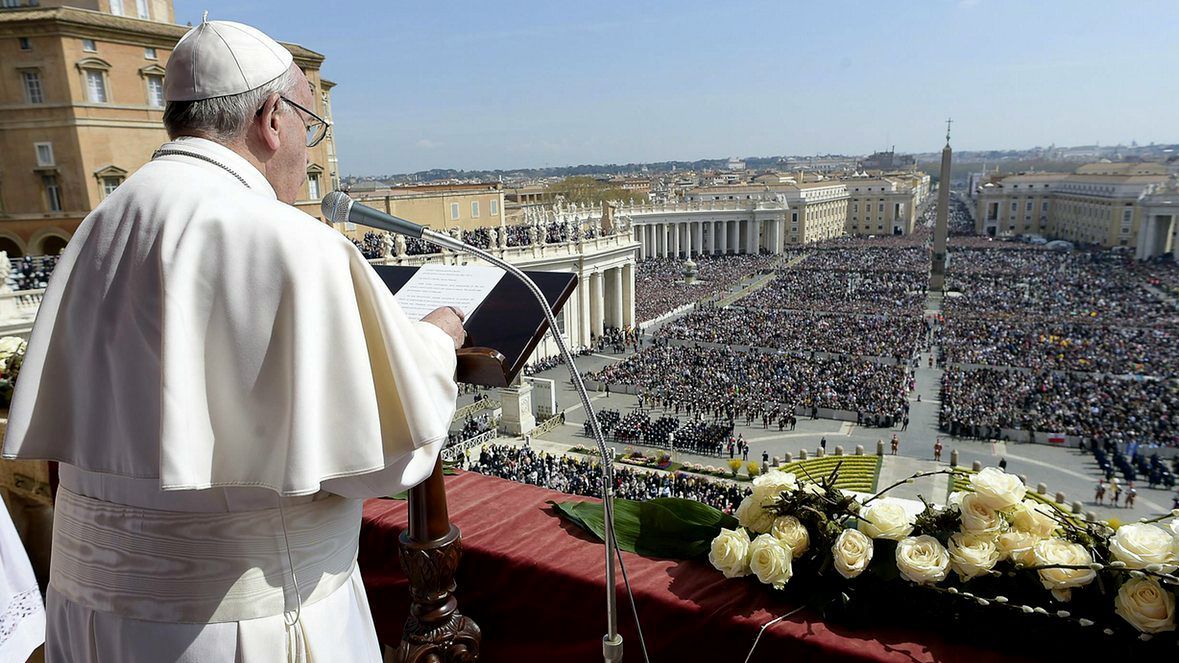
x=937, y=277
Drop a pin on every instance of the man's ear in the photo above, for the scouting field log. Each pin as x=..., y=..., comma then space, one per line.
x=267, y=122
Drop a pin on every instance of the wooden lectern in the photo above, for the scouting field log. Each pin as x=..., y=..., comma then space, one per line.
x=500, y=338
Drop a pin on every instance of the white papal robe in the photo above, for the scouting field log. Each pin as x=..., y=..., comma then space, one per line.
x=223, y=378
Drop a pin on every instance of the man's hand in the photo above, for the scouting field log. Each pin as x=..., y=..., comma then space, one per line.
x=450, y=320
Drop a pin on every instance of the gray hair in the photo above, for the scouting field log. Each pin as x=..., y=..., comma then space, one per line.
x=224, y=119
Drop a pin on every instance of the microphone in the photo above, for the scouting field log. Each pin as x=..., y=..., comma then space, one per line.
x=339, y=208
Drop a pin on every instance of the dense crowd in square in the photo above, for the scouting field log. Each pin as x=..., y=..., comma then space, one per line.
x=899, y=338
x=577, y=476
x=661, y=288
x=726, y=384
x=874, y=293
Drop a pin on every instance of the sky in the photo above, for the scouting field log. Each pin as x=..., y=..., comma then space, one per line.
x=515, y=84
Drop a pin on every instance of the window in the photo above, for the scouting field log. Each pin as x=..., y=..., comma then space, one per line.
x=141, y=7
x=95, y=86
x=155, y=91
x=89, y=46
x=313, y=186
x=494, y=207
x=109, y=184
x=52, y=192
x=1044, y=206
x=1029, y=205
x=149, y=53
x=34, y=94
x=454, y=211
x=117, y=7
x=44, y=154
x=1014, y=206
x=24, y=44
x=474, y=209
x=881, y=208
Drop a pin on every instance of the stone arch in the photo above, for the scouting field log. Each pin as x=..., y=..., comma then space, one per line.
x=48, y=241
x=13, y=244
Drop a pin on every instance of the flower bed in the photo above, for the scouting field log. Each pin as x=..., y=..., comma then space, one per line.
x=856, y=473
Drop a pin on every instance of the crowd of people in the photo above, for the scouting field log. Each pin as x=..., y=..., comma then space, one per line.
x=979, y=402
x=662, y=287
x=371, y=245
x=584, y=477
x=30, y=273
x=1062, y=346
x=840, y=291
x=874, y=257
x=899, y=338
x=727, y=384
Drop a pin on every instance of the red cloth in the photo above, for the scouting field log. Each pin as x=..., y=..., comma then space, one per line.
x=535, y=584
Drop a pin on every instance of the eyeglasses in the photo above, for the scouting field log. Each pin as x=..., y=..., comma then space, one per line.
x=316, y=130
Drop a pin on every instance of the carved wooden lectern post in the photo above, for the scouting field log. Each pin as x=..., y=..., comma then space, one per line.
x=435, y=632
x=508, y=328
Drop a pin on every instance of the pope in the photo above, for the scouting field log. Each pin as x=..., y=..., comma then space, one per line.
x=223, y=379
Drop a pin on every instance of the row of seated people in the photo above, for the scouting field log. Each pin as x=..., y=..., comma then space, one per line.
x=1111, y=460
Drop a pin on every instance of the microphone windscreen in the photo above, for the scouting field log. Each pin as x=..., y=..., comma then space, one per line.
x=335, y=207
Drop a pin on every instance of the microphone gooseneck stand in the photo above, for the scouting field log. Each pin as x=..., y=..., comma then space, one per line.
x=338, y=207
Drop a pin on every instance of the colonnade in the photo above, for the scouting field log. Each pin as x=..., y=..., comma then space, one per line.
x=607, y=299
x=686, y=238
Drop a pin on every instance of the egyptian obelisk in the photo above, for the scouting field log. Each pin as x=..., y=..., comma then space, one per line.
x=937, y=278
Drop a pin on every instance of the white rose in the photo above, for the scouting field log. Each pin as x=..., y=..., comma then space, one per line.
x=9, y=345
x=997, y=488
x=1139, y=545
x=852, y=552
x=977, y=517
x=790, y=531
x=1019, y=547
x=812, y=488
x=769, y=487
x=1147, y=606
x=922, y=559
x=1061, y=581
x=730, y=553
x=750, y=514
x=1034, y=518
x=972, y=555
x=886, y=519
x=769, y=559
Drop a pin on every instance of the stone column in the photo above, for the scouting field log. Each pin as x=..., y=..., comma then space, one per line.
x=583, y=311
x=698, y=231
x=687, y=228
x=616, y=296
x=609, y=294
x=640, y=236
x=628, y=295
x=754, y=238
x=735, y=237
x=595, y=297
x=724, y=237
x=663, y=240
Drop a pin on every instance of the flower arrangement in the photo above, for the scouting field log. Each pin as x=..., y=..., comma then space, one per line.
x=993, y=547
x=12, y=355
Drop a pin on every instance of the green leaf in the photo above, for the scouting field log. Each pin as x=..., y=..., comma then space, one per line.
x=666, y=527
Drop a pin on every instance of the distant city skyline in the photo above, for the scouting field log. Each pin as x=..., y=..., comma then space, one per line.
x=526, y=84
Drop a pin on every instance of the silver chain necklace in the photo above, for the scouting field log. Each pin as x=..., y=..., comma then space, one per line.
x=185, y=153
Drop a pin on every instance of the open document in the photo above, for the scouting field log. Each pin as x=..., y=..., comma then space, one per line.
x=463, y=287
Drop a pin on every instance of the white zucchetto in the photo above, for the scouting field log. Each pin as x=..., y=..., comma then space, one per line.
x=221, y=58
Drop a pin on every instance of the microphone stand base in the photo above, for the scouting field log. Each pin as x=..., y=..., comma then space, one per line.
x=611, y=649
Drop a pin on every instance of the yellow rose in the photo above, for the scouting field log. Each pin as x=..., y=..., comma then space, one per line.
x=790, y=531
x=977, y=517
x=1061, y=581
x=769, y=559
x=751, y=514
x=1139, y=545
x=886, y=519
x=997, y=488
x=922, y=559
x=1146, y=605
x=730, y=553
x=852, y=552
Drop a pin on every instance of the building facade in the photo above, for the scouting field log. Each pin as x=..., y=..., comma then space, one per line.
x=81, y=108
x=439, y=207
x=1100, y=204
x=883, y=205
